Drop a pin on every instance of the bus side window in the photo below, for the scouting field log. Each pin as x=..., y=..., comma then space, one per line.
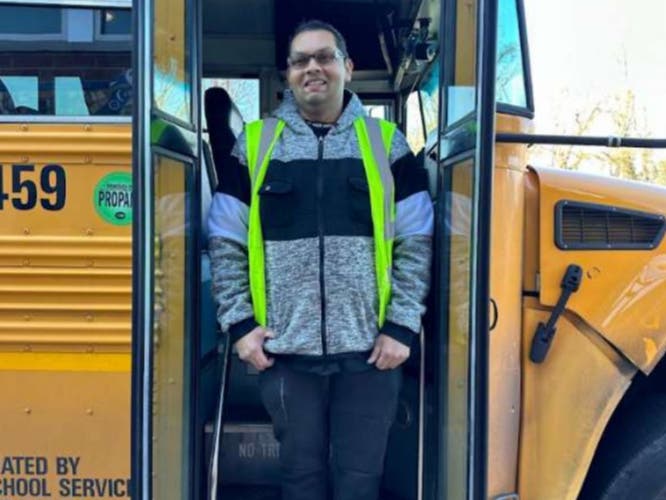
x=6, y=102
x=98, y=84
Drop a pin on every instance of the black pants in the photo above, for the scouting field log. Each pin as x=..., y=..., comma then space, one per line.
x=344, y=416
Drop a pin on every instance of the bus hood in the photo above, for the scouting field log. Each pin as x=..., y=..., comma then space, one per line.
x=614, y=229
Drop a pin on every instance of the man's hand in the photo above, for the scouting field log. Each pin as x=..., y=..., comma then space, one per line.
x=250, y=348
x=388, y=353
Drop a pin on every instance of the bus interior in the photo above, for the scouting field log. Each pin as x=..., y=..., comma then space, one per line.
x=393, y=45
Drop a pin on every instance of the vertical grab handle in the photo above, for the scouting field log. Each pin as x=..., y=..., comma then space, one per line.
x=214, y=466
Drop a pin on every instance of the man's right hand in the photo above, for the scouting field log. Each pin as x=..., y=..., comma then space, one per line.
x=250, y=348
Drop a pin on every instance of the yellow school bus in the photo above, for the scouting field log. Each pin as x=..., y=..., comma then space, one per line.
x=539, y=372
x=65, y=250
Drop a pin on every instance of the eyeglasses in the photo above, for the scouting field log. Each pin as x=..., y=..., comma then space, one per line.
x=321, y=57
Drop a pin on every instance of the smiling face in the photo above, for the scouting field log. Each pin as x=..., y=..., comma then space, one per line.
x=317, y=74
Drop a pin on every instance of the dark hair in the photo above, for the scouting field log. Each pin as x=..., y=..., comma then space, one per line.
x=317, y=25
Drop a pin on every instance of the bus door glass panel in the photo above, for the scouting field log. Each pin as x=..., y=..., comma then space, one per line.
x=383, y=111
x=459, y=231
x=422, y=111
x=429, y=100
x=172, y=75
x=173, y=247
x=461, y=93
x=466, y=145
x=245, y=97
x=175, y=164
x=460, y=104
x=511, y=86
x=415, y=128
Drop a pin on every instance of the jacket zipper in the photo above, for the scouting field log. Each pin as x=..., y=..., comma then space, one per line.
x=320, y=224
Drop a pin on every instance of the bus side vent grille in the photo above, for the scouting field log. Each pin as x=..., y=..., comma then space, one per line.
x=587, y=226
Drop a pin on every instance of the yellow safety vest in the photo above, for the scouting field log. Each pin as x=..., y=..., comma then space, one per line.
x=374, y=140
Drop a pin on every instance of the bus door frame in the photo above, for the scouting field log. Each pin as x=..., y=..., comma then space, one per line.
x=468, y=138
x=160, y=133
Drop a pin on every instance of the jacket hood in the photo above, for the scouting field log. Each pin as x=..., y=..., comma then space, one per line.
x=288, y=111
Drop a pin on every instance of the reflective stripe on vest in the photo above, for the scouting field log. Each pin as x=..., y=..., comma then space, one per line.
x=261, y=136
x=374, y=140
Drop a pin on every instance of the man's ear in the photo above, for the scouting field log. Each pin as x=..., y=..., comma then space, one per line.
x=349, y=69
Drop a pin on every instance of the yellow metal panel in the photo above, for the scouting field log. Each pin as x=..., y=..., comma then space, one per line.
x=31, y=278
x=170, y=457
x=43, y=303
x=171, y=58
x=505, y=338
x=458, y=343
x=65, y=304
x=65, y=274
x=65, y=362
x=27, y=250
x=623, y=291
x=531, y=233
x=465, y=74
x=83, y=144
x=514, y=125
x=567, y=402
x=70, y=427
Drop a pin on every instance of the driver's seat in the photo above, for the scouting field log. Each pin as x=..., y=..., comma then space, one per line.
x=218, y=107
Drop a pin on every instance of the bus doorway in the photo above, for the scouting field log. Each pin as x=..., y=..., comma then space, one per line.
x=199, y=428
x=245, y=453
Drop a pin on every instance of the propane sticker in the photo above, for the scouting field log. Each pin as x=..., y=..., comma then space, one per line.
x=113, y=198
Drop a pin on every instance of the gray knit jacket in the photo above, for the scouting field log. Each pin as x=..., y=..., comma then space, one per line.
x=315, y=215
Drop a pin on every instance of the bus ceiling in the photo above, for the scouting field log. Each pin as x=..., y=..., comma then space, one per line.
x=387, y=39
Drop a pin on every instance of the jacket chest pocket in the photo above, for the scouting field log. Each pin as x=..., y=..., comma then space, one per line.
x=359, y=202
x=277, y=203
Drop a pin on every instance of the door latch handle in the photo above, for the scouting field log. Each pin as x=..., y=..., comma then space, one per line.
x=495, y=315
x=543, y=337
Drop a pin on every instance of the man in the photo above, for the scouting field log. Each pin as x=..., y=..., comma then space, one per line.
x=312, y=311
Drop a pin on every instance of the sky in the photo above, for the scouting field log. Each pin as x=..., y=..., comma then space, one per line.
x=583, y=51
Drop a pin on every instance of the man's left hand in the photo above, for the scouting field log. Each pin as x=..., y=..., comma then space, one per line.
x=388, y=353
